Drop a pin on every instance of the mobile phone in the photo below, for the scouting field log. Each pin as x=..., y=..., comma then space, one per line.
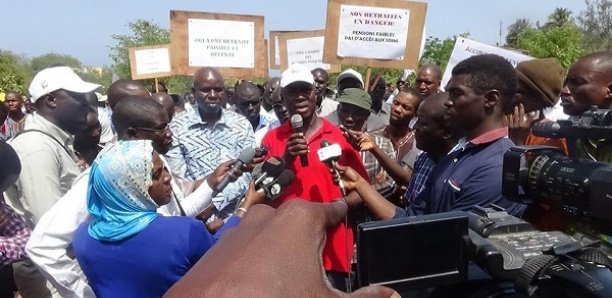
x=351, y=137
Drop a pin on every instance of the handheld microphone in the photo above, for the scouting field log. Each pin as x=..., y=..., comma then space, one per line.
x=329, y=154
x=272, y=167
x=246, y=156
x=298, y=125
x=275, y=187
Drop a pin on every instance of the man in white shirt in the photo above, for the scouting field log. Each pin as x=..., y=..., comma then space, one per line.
x=134, y=117
x=49, y=165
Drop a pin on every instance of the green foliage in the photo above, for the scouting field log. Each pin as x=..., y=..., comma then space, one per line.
x=559, y=18
x=596, y=24
x=438, y=51
x=143, y=33
x=41, y=62
x=514, y=30
x=563, y=43
x=14, y=72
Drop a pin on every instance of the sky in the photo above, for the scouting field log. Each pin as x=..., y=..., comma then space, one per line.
x=83, y=28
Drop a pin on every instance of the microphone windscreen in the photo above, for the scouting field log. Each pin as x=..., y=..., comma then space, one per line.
x=247, y=155
x=297, y=121
x=285, y=178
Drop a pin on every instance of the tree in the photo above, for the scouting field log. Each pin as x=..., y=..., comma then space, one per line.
x=438, y=51
x=563, y=43
x=596, y=24
x=144, y=33
x=53, y=59
x=515, y=29
x=15, y=74
x=559, y=18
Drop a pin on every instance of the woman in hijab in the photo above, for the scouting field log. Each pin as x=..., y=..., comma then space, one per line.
x=129, y=250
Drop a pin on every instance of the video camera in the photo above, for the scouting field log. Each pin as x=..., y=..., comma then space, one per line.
x=508, y=249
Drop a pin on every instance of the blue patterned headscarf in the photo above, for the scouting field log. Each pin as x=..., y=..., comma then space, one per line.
x=118, y=195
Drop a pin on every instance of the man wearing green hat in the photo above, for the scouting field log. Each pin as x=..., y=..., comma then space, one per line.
x=353, y=112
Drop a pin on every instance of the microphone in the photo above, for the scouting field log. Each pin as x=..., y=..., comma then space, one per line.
x=298, y=125
x=272, y=167
x=274, y=188
x=328, y=154
x=246, y=156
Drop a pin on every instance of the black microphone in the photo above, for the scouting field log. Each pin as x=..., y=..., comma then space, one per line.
x=272, y=167
x=246, y=156
x=275, y=188
x=298, y=125
x=328, y=154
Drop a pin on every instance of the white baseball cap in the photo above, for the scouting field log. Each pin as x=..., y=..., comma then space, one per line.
x=349, y=73
x=296, y=73
x=56, y=78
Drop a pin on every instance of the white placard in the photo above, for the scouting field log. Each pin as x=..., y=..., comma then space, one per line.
x=466, y=48
x=372, y=32
x=149, y=61
x=219, y=43
x=307, y=51
x=277, y=58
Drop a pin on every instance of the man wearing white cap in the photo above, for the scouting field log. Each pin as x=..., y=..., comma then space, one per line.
x=48, y=163
x=313, y=181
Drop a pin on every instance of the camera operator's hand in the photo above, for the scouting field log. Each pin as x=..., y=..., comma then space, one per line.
x=272, y=253
x=350, y=177
x=519, y=124
x=296, y=146
x=223, y=169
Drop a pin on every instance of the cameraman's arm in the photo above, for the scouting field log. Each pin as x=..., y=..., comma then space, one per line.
x=381, y=208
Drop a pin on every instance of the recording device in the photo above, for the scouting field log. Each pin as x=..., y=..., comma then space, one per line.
x=581, y=187
x=261, y=151
x=351, y=137
x=536, y=263
x=270, y=168
x=274, y=188
x=328, y=154
x=413, y=252
x=245, y=157
x=271, y=177
x=298, y=125
x=594, y=123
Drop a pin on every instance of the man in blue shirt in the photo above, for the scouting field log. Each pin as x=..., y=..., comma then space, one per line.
x=480, y=88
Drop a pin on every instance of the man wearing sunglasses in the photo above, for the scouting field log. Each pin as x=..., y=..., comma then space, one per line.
x=48, y=162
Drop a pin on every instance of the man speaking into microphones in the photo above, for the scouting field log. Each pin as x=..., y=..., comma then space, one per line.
x=313, y=180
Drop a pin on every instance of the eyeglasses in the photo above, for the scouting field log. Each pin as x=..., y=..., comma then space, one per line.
x=155, y=130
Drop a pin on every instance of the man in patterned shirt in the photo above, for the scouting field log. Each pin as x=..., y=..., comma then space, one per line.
x=209, y=135
x=353, y=111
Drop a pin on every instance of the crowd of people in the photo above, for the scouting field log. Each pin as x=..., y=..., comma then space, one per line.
x=123, y=194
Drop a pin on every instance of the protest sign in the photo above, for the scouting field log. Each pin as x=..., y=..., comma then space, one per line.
x=465, y=48
x=234, y=44
x=150, y=62
x=304, y=47
x=375, y=33
x=274, y=53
